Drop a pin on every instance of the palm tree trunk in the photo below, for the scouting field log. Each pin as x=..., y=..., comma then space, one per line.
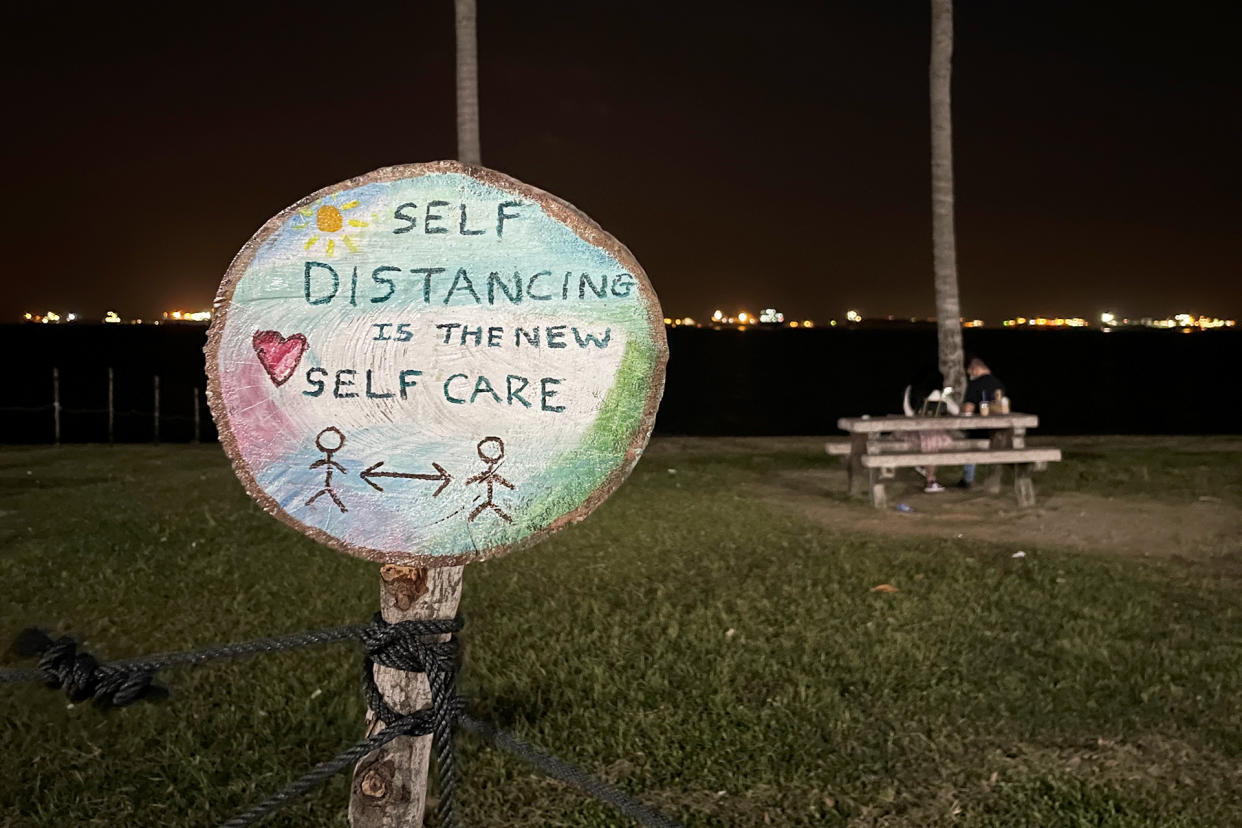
x=467, y=83
x=944, y=243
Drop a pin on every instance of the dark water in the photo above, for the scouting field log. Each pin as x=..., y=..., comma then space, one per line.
x=83, y=354
x=1077, y=381
x=762, y=382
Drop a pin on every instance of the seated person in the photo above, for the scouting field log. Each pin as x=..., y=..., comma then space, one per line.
x=982, y=386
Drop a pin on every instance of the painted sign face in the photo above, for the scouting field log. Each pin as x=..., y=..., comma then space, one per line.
x=434, y=364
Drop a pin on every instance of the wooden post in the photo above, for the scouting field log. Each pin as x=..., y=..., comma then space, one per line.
x=1023, y=486
x=875, y=476
x=879, y=497
x=855, y=474
x=198, y=426
x=1000, y=440
x=156, y=416
x=390, y=785
x=111, y=410
x=56, y=406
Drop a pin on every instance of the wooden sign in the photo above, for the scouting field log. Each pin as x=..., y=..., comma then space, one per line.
x=434, y=364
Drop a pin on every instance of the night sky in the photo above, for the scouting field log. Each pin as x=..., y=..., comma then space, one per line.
x=750, y=155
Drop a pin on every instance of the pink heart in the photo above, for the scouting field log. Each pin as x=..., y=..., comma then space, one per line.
x=280, y=355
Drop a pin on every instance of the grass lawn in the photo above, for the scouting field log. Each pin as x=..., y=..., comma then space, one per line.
x=696, y=641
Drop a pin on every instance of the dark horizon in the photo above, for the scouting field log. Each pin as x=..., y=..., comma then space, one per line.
x=748, y=161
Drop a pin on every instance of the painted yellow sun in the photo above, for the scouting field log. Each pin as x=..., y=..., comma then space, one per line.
x=325, y=220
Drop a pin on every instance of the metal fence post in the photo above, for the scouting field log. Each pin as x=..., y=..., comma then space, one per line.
x=56, y=406
x=156, y=416
x=197, y=420
x=111, y=410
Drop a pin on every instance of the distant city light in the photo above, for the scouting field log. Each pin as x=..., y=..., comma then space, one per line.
x=112, y=318
x=1046, y=322
x=1110, y=321
x=188, y=316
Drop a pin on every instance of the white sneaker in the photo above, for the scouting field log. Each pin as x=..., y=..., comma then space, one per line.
x=921, y=471
x=932, y=488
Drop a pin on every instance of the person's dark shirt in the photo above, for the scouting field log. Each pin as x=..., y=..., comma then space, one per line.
x=983, y=388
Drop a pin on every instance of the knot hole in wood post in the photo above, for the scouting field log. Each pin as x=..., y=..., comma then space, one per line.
x=403, y=585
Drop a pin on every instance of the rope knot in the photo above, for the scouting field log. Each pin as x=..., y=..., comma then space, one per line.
x=80, y=674
x=405, y=646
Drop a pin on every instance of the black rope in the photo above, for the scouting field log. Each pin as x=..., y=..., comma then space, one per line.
x=572, y=775
x=411, y=646
x=123, y=682
x=324, y=771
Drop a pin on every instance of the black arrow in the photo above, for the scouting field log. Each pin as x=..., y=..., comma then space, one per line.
x=441, y=475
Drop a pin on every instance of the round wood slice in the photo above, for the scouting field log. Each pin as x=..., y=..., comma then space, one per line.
x=434, y=364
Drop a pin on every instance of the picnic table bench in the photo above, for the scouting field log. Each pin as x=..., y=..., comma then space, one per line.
x=877, y=445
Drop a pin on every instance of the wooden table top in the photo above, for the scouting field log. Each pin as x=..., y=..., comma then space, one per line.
x=898, y=422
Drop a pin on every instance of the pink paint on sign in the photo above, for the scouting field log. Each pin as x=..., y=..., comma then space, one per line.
x=280, y=355
x=266, y=427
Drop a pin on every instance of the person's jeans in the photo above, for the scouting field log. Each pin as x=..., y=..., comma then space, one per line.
x=968, y=472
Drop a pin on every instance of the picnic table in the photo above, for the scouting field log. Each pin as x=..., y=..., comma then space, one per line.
x=879, y=445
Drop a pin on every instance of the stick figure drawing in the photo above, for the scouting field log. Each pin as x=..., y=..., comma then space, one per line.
x=492, y=452
x=333, y=436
